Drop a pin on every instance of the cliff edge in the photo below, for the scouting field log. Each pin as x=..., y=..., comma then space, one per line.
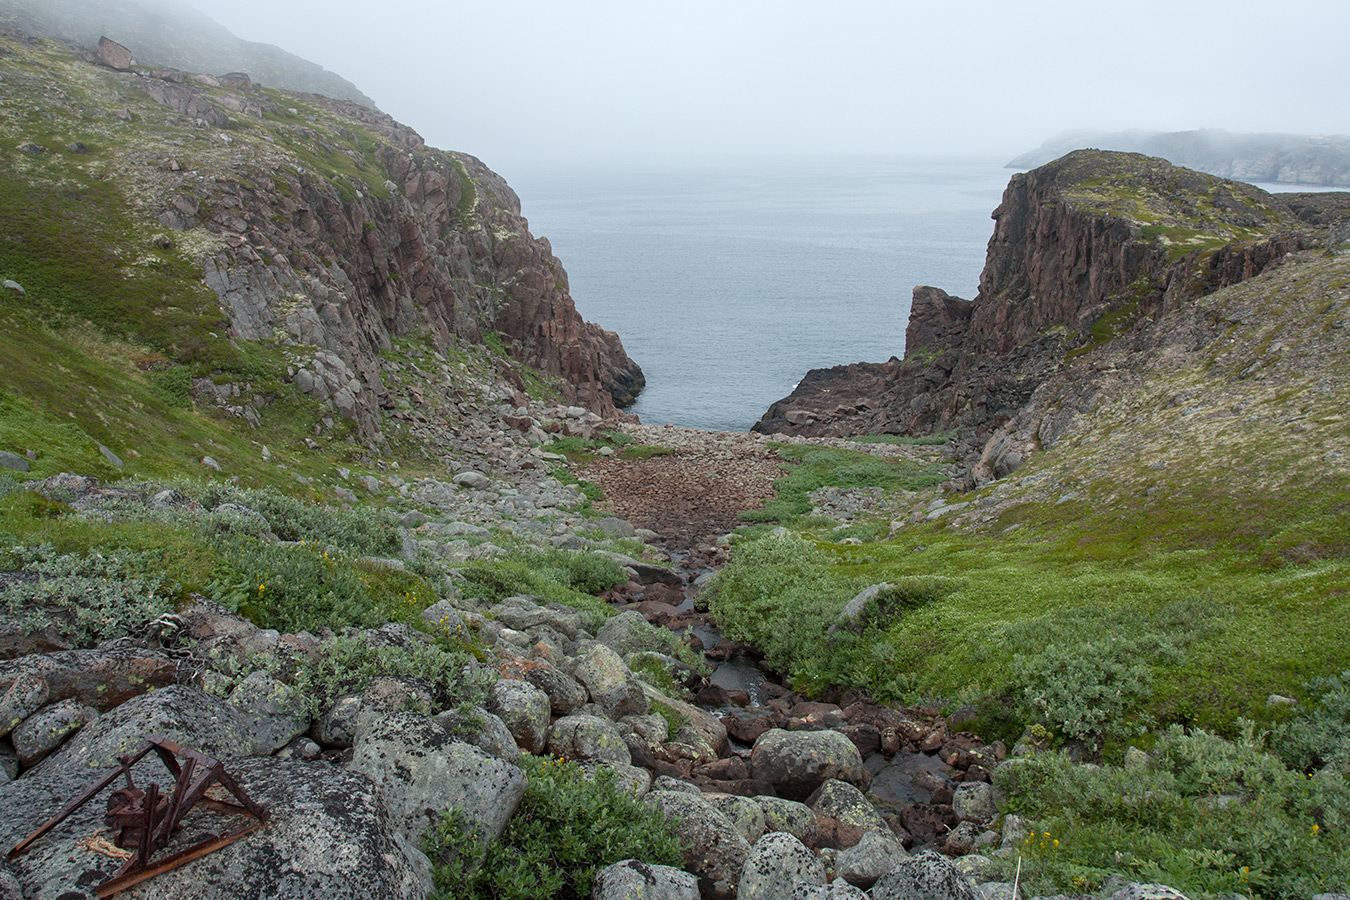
x=1084, y=248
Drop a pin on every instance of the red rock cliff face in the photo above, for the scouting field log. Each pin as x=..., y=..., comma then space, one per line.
x=1082, y=247
x=340, y=230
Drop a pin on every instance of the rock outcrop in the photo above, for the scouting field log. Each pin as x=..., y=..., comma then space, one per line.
x=1083, y=249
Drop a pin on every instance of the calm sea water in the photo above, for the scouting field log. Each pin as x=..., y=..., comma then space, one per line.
x=728, y=282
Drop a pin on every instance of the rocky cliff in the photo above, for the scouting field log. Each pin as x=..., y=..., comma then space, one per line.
x=1083, y=249
x=166, y=33
x=322, y=227
x=1267, y=158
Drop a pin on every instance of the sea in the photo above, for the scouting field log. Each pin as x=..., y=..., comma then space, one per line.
x=728, y=280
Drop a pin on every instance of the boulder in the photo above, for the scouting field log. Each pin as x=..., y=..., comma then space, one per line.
x=525, y=710
x=421, y=771
x=745, y=813
x=275, y=712
x=1147, y=891
x=180, y=713
x=102, y=679
x=924, y=876
x=48, y=728
x=634, y=880
x=565, y=694
x=27, y=693
x=797, y=819
x=798, y=762
x=974, y=802
x=872, y=856
x=629, y=632
x=588, y=738
x=843, y=815
x=114, y=55
x=338, y=725
x=714, y=849
x=777, y=863
x=839, y=889
x=609, y=682
x=632, y=779
x=482, y=729
x=329, y=836
x=523, y=614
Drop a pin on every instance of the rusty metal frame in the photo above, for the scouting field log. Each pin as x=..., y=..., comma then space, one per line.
x=144, y=821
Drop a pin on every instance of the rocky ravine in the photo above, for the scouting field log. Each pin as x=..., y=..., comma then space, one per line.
x=1084, y=249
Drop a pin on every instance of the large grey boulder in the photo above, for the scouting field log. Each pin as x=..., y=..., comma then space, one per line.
x=1136, y=890
x=777, y=863
x=630, y=632
x=27, y=693
x=565, y=694
x=923, y=876
x=839, y=889
x=609, y=682
x=843, y=815
x=523, y=614
x=46, y=729
x=482, y=729
x=872, y=856
x=798, y=762
x=588, y=738
x=974, y=801
x=180, y=713
x=329, y=835
x=745, y=813
x=525, y=710
x=714, y=849
x=635, y=880
x=421, y=771
x=794, y=817
x=275, y=711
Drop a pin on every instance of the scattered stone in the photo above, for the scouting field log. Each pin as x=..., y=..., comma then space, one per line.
x=1147, y=891
x=634, y=880
x=211, y=464
x=525, y=710
x=924, y=876
x=874, y=855
x=421, y=770
x=27, y=693
x=13, y=286
x=48, y=728
x=798, y=762
x=474, y=481
x=714, y=849
x=974, y=802
x=777, y=864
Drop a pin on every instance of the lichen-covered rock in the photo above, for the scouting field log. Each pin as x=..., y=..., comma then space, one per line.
x=27, y=693
x=421, y=770
x=525, y=710
x=329, y=836
x=792, y=816
x=610, y=683
x=180, y=713
x=635, y=880
x=632, y=779
x=482, y=729
x=924, y=876
x=1147, y=891
x=839, y=889
x=102, y=679
x=565, y=694
x=747, y=815
x=715, y=850
x=703, y=736
x=588, y=738
x=872, y=856
x=798, y=762
x=338, y=725
x=974, y=802
x=276, y=713
x=48, y=728
x=523, y=614
x=629, y=632
x=843, y=815
x=778, y=862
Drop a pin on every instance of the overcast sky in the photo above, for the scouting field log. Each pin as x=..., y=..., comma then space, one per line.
x=522, y=81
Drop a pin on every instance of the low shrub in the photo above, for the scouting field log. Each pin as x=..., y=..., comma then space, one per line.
x=1319, y=734
x=568, y=577
x=566, y=830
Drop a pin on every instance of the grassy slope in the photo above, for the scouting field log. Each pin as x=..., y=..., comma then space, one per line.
x=1195, y=502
